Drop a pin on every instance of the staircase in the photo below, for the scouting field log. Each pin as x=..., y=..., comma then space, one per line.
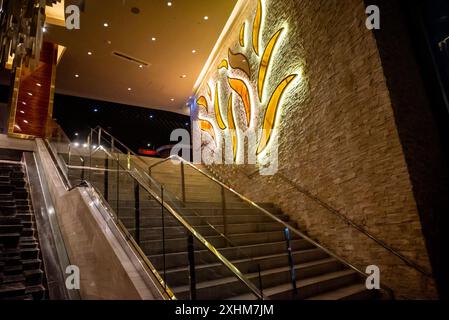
x=21, y=275
x=254, y=241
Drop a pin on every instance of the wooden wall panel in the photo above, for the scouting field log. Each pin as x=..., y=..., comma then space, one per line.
x=32, y=102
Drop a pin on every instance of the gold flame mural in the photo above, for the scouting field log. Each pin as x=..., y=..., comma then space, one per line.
x=238, y=61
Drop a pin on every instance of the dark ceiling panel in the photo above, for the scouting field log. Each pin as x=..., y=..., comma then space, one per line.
x=136, y=127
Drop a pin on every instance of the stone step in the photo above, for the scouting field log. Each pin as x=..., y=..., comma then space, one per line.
x=155, y=247
x=206, y=272
x=9, y=290
x=230, y=287
x=173, y=260
x=149, y=222
x=207, y=230
x=353, y=292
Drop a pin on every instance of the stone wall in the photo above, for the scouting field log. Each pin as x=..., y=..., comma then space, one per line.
x=339, y=147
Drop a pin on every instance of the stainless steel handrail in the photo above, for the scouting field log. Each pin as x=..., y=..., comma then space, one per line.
x=255, y=205
x=165, y=290
x=192, y=230
x=372, y=237
x=266, y=212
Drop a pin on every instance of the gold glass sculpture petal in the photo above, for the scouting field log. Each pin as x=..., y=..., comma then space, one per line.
x=242, y=35
x=240, y=62
x=206, y=126
x=242, y=90
x=223, y=64
x=271, y=112
x=256, y=27
x=232, y=128
x=265, y=62
x=202, y=102
x=218, y=115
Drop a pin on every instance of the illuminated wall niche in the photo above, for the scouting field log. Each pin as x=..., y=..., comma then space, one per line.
x=226, y=123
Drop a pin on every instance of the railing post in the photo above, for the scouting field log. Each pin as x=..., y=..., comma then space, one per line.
x=137, y=211
x=163, y=236
x=99, y=137
x=183, y=183
x=290, y=260
x=118, y=188
x=70, y=154
x=192, y=275
x=112, y=146
x=106, y=178
x=260, y=280
x=223, y=211
x=91, y=137
x=83, y=169
x=128, y=160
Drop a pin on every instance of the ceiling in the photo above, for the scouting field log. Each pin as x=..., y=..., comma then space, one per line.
x=167, y=82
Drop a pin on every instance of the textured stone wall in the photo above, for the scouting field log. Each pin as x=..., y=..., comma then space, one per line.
x=339, y=146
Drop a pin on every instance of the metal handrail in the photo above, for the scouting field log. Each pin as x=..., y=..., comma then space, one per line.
x=255, y=205
x=97, y=194
x=192, y=231
x=186, y=225
x=266, y=212
x=372, y=237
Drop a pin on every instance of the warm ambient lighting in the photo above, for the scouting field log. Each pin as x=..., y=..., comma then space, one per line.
x=193, y=51
x=44, y=29
x=184, y=76
x=169, y=4
x=77, y=75
x=129, y=89
x=89, y=53
x=153, y=39
x=172, y=99
x=22, y=112
x=141, y=66
x=38, y=84
x=30, y=94
x=24, y=103
x=25, y=121
x=206, y=18
x=106, y=24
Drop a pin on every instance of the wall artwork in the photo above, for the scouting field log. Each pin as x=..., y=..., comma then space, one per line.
x=237, y=74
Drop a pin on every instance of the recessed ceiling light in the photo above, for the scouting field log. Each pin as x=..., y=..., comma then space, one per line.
x=25, y=121
x=169, y=3
x=129, y=89
x=77, y=75
x=44, y=29
x=151, y=116
x=109, y=42
x=184, y=76
x=89, y=53
x=206, y=18
x=22, y=112
x=95, y=110
x=194, y=51
x=172, y=99
x=38, y=84
x=153, y=39
x=24, y=103
x=30, y=94
x=106, y=24
x=141, y=66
